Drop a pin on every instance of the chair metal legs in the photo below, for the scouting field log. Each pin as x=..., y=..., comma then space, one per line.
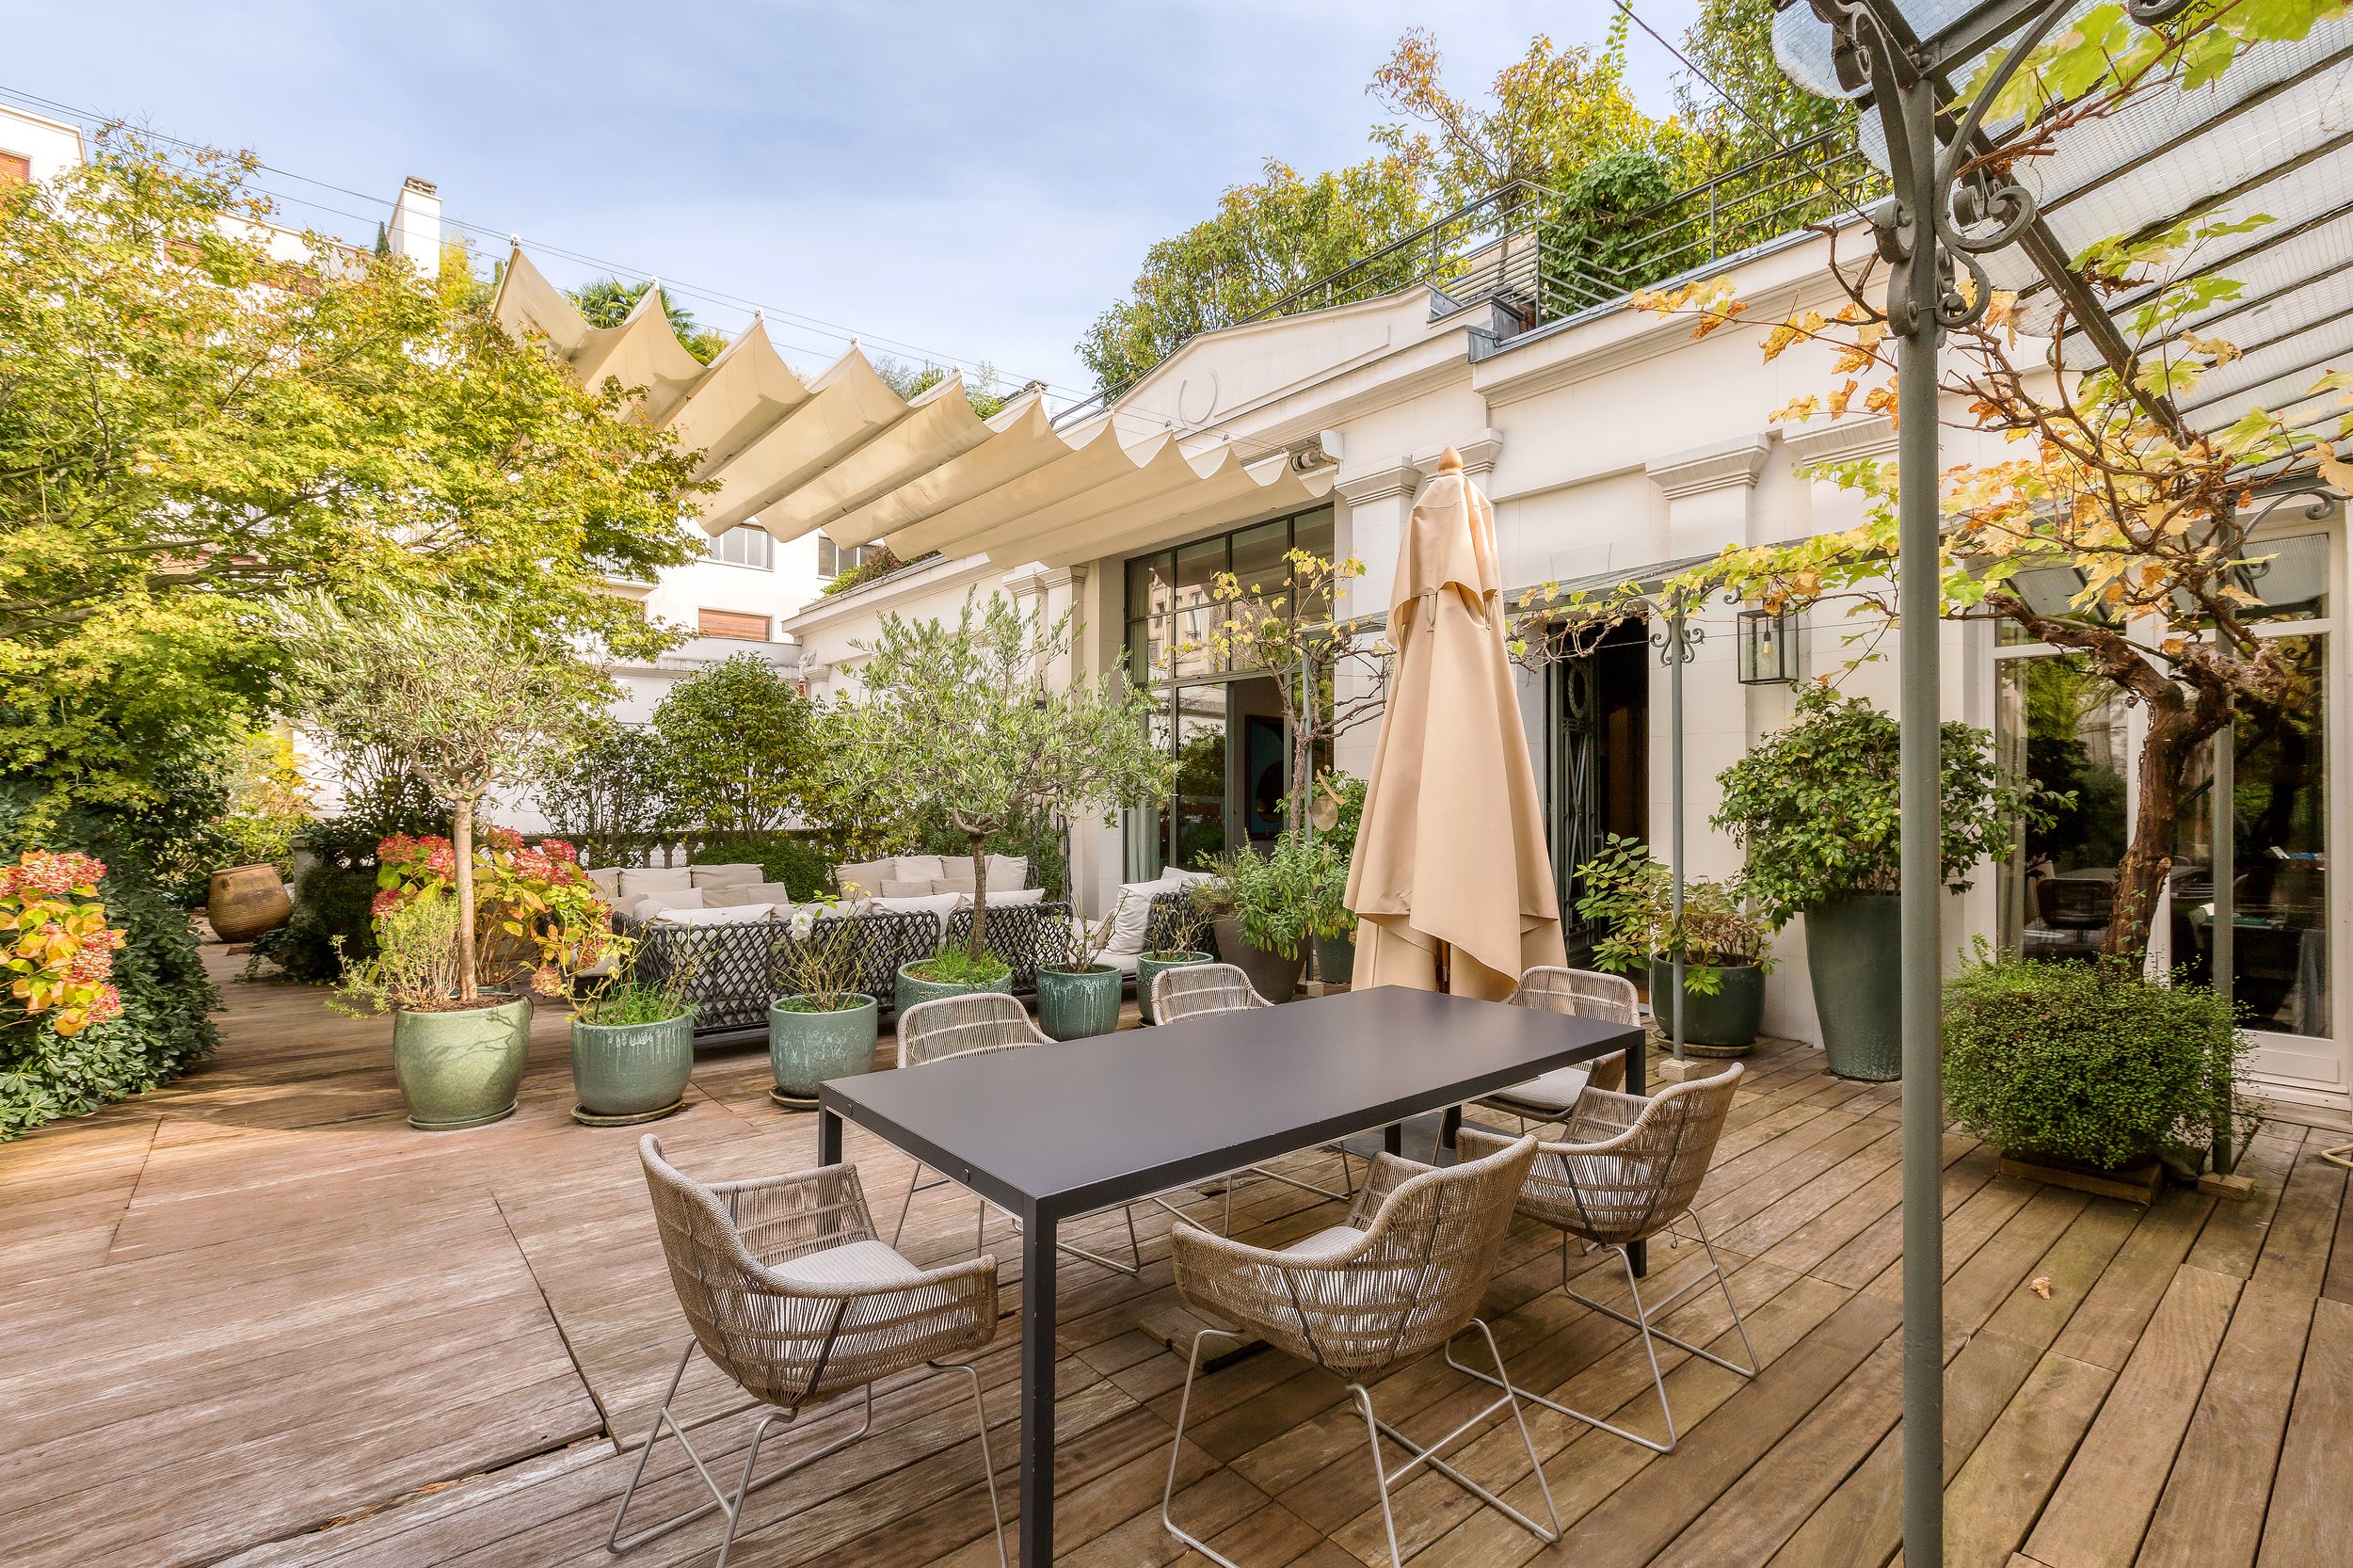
x=734, y=1506
x=1642, y=1320
x=1376, y=1428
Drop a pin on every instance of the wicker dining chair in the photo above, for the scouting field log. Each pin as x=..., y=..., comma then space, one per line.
x=789, y=1293
x=1627, y=1172
x=1402, y=1278
x=1574, y=994
x=1201, y=990
x=975, y=1024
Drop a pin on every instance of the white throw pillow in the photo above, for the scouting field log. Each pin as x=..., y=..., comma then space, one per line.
x=605, y=879
x=917, y=868
x=1186, y=879
x=1130, y=914
x=938, y=905
x=672, y=898
x=738, y=915
x=864, y=878
x=637, y=881
x=1008, y=870
x=736, y=898
x=1003, y=898
x=897, y=888
x=736, y=873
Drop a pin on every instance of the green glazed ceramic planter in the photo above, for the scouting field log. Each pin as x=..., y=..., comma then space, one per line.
x=806, y=1048
x=628, y=1073
x=1853, y=953
x=1724, y=1024
x=911, y=990
x=1148, y=968
x=460, y=1069
x=1073, y=1004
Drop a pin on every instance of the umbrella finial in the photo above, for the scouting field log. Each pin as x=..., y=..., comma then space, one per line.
x=1449, y=461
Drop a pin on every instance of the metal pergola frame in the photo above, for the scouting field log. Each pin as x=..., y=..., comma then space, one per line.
x=1947, y=217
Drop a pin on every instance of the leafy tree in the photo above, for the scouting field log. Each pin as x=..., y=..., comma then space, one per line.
x=191, y=426
x=1266, y=239
x=1731, y=44
x=740, y=741
x=460, y=697
x=980, y=389
x=1546, y=114
x=615, y=786
x=959, y=722
x=607, y=302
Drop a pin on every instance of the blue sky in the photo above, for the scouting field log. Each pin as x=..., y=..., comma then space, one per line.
x=975, y=181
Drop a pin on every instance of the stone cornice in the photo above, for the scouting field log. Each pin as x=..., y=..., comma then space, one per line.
x=1038, y=578
x=1405, y=474
x=1823, y=439
x=1723, y=465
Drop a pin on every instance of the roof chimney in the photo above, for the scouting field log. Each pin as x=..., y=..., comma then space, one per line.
x=415, y=231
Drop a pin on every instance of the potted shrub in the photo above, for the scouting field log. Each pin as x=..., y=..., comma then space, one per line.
x=951, y=972
x=1077, y=994
x=633, y=1042
x=1336, y=811
x=1266, y=908
x=1724, y=962
x=1187, y=929
x=466, y=702
x=2074, y=1071
x=822, y=1026
x=1814, y=808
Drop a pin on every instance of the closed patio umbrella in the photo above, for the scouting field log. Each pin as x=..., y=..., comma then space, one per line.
x=1452, y=882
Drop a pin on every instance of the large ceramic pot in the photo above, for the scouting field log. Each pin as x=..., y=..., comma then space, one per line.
x=242, y=902
x=1274, y=974
x=806, y=1048
x=1335, y=958
x=1722, y=1024
x=461, y=1069
x=1148, y=968
x=628, y=1073
x=912, y=989
x=1853, y=952
x=1075, y=1003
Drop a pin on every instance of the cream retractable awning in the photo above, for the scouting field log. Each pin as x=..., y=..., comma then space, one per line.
x=843, y=452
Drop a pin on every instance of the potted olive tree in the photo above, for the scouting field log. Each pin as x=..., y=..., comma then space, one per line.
x=466, y=703
x=822, y=1026
x=1078, y=995
x=2087, y=1075
x=1722, y=945
x=961, y=724
x=1814, y=808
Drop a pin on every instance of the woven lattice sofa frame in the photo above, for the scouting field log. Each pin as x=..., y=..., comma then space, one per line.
x=739, y=969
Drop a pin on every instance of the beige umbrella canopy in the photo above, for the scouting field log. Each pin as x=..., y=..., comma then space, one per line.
x=1451, y=875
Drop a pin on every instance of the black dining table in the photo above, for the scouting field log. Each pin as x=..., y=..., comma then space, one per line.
x=1053, y=1132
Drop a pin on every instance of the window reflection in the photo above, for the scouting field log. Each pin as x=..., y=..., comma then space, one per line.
x=2063, y=728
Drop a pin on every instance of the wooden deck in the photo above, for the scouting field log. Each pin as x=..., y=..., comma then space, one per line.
x=256, y=1319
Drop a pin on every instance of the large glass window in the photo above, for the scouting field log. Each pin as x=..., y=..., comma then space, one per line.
x=745, y=545
x=1171, y=607
x=2063, y=728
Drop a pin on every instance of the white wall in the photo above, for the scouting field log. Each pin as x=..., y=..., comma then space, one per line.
x=51, y=146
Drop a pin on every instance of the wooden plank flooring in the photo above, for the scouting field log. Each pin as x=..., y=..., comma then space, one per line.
x=255, y=1320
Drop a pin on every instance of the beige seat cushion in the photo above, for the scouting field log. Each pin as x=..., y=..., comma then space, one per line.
x=938, y=906
x=1555, y=1092
x=859, y=1263
x=1329, y=1242
x=726, y=914
x=863, y=878
x=605, y=879
x=735, y=873
x=1008, y=870
x=735, y=897
x=1003, y=898
x=671, y=898
x=638, y=881
x=897, y=888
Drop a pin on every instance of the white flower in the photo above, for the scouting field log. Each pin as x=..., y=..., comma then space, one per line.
x=804, y=921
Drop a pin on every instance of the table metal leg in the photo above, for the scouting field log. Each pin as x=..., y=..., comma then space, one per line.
x=1393, y=1138
x=1037, y=1392
x=828, y=1137
x=1638, y=1082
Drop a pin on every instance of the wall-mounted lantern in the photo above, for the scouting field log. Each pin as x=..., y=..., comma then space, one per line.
x=1768, y=646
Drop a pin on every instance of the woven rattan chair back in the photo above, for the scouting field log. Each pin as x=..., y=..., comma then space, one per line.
x=787, y=1344
x=1430, y=1240
x=1629, y=1167
x=1583, y=994
x=961, y=1026
x=1192, y=990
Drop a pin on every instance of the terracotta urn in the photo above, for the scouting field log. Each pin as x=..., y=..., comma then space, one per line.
x=244, y=901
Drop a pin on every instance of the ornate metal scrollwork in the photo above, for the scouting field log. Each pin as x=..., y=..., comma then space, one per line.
x=1673, y=649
